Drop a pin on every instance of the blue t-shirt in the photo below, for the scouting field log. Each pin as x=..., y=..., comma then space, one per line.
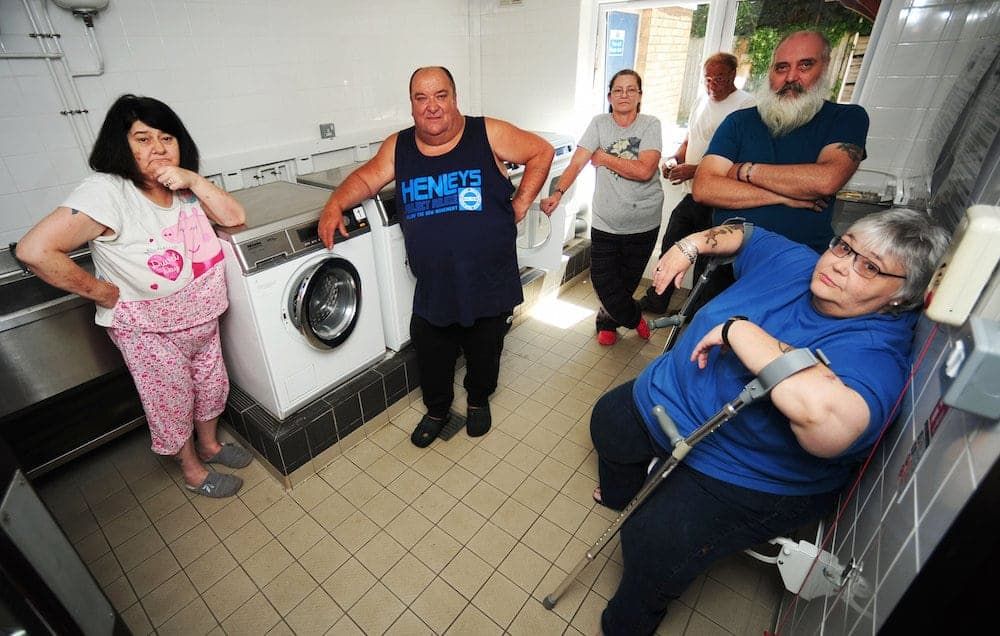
x=458, y=226
x=757, y=449
x=743, y=136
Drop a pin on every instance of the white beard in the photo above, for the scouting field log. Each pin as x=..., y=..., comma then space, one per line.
x=784, y=113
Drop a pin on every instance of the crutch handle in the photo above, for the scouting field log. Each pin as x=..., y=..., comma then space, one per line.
x=667, y=425
x=667, y=321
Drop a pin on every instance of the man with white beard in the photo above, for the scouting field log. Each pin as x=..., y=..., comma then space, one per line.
x=778, y=165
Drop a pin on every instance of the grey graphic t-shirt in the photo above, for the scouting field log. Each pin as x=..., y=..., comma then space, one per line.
x=625, y=206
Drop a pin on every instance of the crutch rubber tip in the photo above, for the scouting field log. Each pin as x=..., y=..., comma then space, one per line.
x=548, y=602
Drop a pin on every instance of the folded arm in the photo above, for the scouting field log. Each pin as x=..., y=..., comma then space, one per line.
x=826, y=415
x=833, y=168
x=641, y=168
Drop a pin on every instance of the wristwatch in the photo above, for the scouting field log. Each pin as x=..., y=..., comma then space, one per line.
x=725, y=328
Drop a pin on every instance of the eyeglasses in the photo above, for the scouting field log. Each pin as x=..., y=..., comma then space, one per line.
x=718, y=79
x=861, y=264
x=631, y=91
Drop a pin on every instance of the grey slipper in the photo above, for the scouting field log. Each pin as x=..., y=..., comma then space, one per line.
x=218, y=486
x=232, y=456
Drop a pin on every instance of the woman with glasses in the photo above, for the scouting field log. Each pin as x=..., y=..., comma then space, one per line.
x=777, y=465
x=624, y=146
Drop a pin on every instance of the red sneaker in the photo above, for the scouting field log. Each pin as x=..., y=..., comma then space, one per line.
x=643, y=329
x=607, y=337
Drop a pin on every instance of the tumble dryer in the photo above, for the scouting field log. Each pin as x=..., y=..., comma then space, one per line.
x=301, y=318
x=396, y=281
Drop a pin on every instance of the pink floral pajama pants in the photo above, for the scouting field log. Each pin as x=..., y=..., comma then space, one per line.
x=180, y=376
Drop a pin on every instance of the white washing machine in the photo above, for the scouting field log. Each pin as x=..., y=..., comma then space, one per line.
x=396, y=281
x=540, y=238
x=301, y=318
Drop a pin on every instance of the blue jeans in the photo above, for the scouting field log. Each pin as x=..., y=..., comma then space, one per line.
x=688, y=523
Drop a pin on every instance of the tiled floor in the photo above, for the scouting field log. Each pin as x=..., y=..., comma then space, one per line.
x=465, y=537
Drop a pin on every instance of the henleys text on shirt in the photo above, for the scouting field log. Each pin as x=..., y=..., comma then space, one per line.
x=456, y=191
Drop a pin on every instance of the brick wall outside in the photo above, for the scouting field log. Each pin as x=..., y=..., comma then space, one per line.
x=664, y=37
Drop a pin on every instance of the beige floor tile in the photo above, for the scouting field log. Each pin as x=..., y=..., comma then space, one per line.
x=194, y=618
x=209, y=568
x=105, y=569
x=383, y=508
x=332, y=511
x=345, y=627
x=535, y=620
x=228, y=594
x=113, y=506
x=262, y=495
x=408, y=578
x=491, y=544
x=516, y=426
x=478, y=461
x=163, y=602
x=246, y=541
x=123, y=528
x=570, y=602
x=355, y=531
x=150, y=484
x=164, y=502
x=387, y=468
x=546, y=538
x=701, y=625
x=120, y=593
x=484, y=498
x=457, y=481
x=289, y=588
x=380, y=554
x=466, y=573
x=514, y=517
x=315, y=615
x=281, y=515
x=439, y=605
x=312, y=492
x=496, y=443
x=580, y=488
x=434, y=503
x=137, y=549
x=676, y=620
x=409, y=486
x=408, y=527
x=473, y=621
x=360, y=490
x=267, y=562
x=376, y=610
x=256, y=616
x=588, y=618
x=408, y=624
x=339, y=472
x=566, y=513
x=738, y=572
x=324, y=558
x=230, y=518
x=152, y=572
x=723, y=605
x=500, y=599
x=534, y=494
x=524, y=566
x=458, y=446
x=575, y=552
x=136, y=620
x=432, y=464
x=607, y=581
x=552, y=472
x=525, y=457
x=462, y=523
x=178, y=521
x=436, y=549
x=505, y=477
x=349, y=583
x=280, y=629
x=301, y=535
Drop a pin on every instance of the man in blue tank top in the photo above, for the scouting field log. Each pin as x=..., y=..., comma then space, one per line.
x=458, y=216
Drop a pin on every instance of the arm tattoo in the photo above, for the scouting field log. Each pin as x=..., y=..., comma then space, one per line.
x=784, y=347
x=856, y=153
x=74, y=211
x=710, y=237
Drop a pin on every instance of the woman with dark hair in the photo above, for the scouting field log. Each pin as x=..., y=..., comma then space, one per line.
x=777, y=465
x=624, y=146
x=147, y=215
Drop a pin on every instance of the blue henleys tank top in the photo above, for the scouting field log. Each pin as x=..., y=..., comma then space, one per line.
x=458, y=226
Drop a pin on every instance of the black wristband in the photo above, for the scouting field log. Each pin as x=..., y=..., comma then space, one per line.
x=725, y=328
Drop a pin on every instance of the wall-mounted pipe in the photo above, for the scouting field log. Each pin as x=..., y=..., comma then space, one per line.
x=87, y=15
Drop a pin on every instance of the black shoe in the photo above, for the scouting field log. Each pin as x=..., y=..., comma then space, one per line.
x=646, y=305
x=478, y=421
x=427, y=431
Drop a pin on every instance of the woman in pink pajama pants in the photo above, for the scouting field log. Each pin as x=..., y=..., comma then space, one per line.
x=160, y=286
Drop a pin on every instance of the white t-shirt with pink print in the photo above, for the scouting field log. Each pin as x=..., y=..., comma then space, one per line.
x=161, y=258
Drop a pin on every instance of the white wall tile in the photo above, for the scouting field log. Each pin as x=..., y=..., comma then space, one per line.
x=938, y=516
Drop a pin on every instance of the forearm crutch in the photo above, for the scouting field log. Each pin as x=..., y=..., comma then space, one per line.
x=781, y=368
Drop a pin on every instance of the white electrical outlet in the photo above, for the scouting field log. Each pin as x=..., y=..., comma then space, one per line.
x=966, y=266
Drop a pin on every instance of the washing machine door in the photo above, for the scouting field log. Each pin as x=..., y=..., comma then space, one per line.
x=326, y=302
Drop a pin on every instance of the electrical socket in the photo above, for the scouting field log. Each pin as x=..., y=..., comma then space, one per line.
x=327, y=131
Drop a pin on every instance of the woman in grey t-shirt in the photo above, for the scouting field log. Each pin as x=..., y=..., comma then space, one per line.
x=624, y=147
